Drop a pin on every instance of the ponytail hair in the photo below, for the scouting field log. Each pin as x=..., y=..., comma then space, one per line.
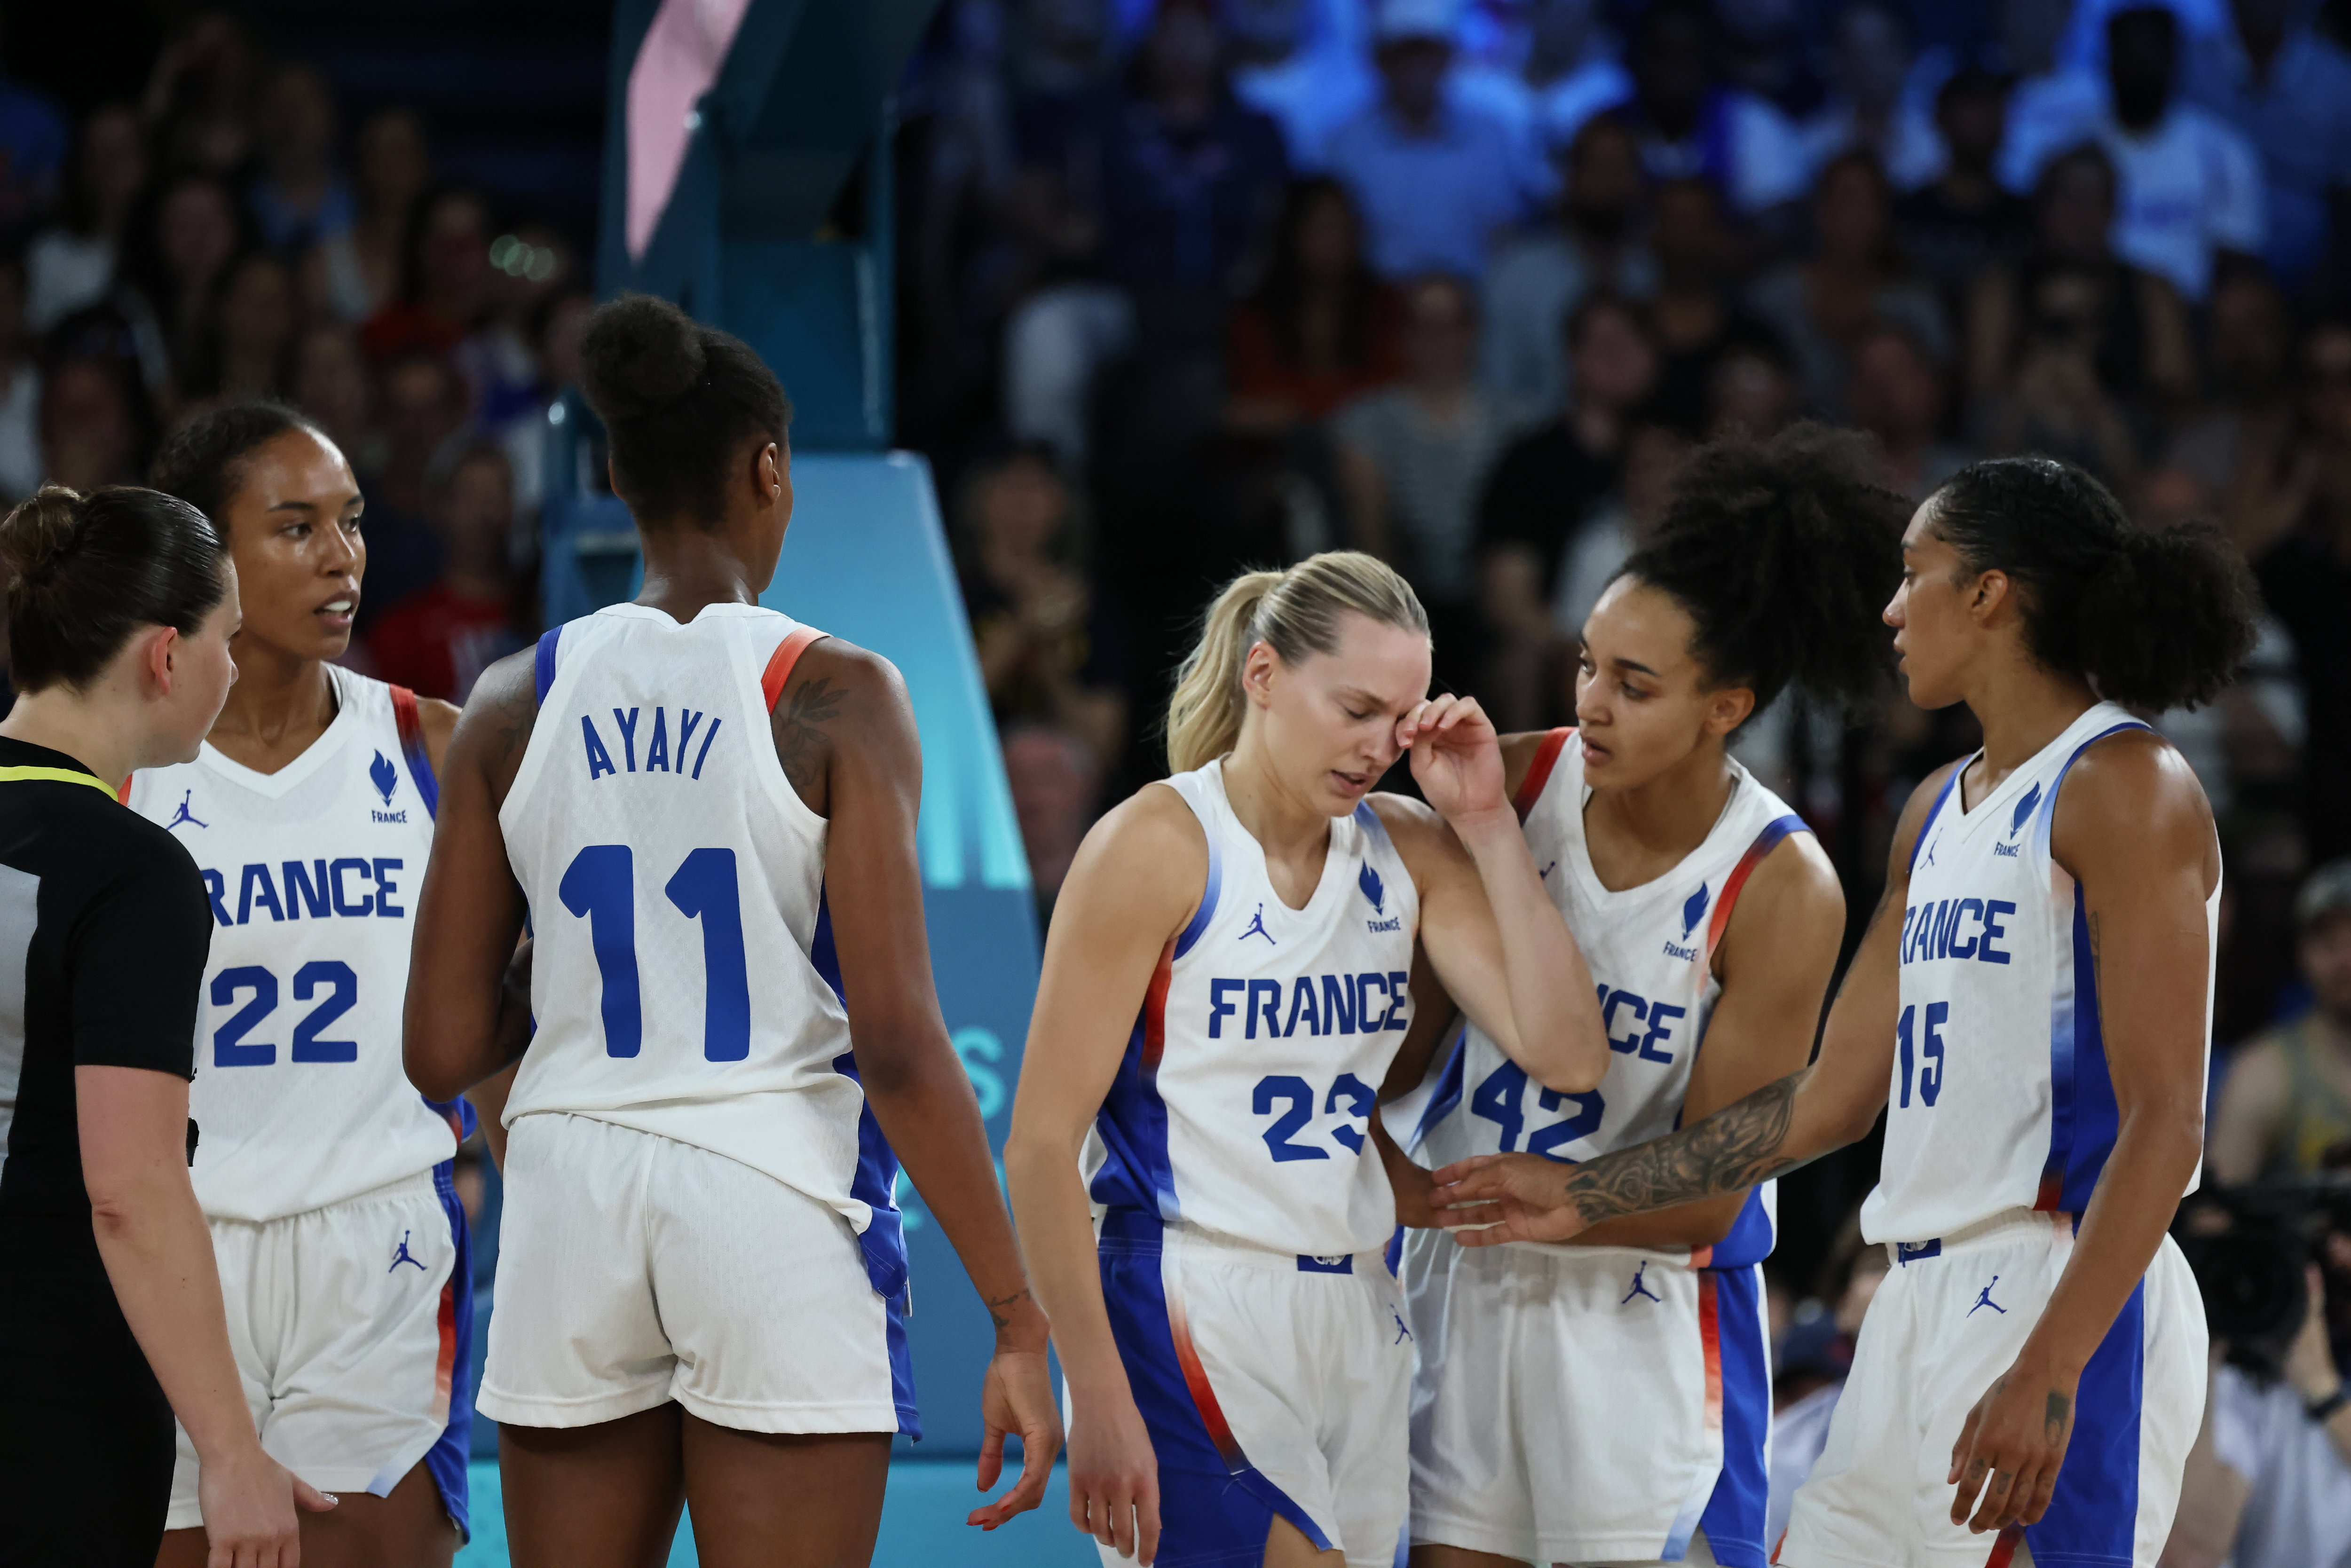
x=2156, y=619
x=1294, y=613
x=1783, y=552
x=677, y=399
x=88, y=571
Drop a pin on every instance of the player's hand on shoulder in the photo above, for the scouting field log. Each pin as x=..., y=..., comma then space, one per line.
x=250, y=1504
x=1487, y=1199
x=1115, y=1477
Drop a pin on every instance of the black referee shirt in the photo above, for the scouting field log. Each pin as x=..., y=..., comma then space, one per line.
x=104, y=930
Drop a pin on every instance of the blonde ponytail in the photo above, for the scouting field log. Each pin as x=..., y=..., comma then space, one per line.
x=1295, y=613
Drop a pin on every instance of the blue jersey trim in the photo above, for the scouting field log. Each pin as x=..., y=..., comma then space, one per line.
x=1733, y=1520
x=1447, y=1097
x=1935, y=811
x=1199, y=924
x=2092, y=1517
x=543, y=662
x=445, y=1461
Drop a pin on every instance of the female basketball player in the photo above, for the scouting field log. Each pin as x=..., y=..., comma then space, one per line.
x=328, y=1182
x=709, y=812
x=120, y=608
x=2032, y=996
x=1225, y=984
x=1712, y=921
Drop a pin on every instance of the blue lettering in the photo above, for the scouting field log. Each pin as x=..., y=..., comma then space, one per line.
x=686, y=719
x=657, y=749
x=1993, y=930
x=628, y=723
x=707, y=736
x=600, y=761
x=384, y=888
x=1909, y=918
x=1264, y=1001
x=1399, y=993
x=335, y=881
x=1219, y=1009
x=300, y=891
x=1301, y=1006
x=257, y=877
x=1958, y=914
x=1661, y=1016
x=1363, y=984
x=216, y=886
x=1945, y=918
x=1608, y=1020
x=1338, y=1005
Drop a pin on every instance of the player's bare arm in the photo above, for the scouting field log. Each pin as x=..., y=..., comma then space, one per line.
x=2133, y=827
x=844, y=731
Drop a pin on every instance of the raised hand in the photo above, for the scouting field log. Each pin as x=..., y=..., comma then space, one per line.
x=1487, y=1199
x=1457, y=758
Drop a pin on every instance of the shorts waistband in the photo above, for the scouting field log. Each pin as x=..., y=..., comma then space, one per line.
x=437, y=1180
x=1135, y=1232
x=2008, y=1224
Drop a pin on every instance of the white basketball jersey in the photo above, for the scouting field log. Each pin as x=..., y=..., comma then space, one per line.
x=299, y=1098
x=1651, y=949
x=662, y=848
x=1255, y=1065
x=2001, y=1096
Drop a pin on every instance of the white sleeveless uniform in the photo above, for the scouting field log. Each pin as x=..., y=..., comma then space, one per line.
x=1243, y=1207
x=697, y=1202
x=326, y=1178
x=1643, y=1374
x=2001, y=1114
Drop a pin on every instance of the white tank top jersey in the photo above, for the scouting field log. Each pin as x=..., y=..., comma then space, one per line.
x=660, y=846
x=1651, y=949
x=299, y=1098
x=1242, y=1104
x=2001, y=1097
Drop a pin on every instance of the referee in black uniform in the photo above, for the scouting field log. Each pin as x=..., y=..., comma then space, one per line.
x=120, y=608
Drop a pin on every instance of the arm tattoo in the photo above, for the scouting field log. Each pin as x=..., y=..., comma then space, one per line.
x=516, y=711
x=1736, y=1147
x=1003, y=1320
x=799, y=736
x=2059, y=1410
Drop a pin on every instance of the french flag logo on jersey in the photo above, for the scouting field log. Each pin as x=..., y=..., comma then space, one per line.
x=384, y=776
x=2024, y=809
x=1694, y=911
x=1369, y=880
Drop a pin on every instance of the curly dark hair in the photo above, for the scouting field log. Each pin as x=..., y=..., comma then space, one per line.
x=2155, y=619
x=677, y=400
x=1783, y=551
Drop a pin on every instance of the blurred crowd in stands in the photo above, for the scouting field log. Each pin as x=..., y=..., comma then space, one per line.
x=1191, y=286
x=218, y=232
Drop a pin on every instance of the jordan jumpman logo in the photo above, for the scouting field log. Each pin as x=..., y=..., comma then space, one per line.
x=1985, y=1300
x=1638, y=1288
x=1257, y=928
x=184, y=814
x=404, y=1256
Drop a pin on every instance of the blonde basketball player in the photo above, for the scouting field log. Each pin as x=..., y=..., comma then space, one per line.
x=1225, y=983
x=2030, y=1007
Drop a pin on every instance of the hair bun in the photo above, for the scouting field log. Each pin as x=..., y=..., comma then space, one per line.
x=639, y=356
x=42, y=530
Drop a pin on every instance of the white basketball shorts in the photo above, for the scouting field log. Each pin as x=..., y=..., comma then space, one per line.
x=352, y=1326
x=633, y=1270
x=1587, y=1404
x=1950, y=1319
x=1274, y=1386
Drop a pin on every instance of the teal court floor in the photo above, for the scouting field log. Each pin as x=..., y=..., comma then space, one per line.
x=921, y=1524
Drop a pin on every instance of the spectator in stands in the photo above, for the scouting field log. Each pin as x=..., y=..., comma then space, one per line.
x=357, y=271
x=2231, y=449
x=71, y=263
x=423, y=407
x=1546, y=486
x=33, y=142
x=2067, y=347
x=1162, y=201
x=2189, y=186
x=300, y=197
x=1321, y=329
x=1048, y=651
x=438, y=639
x=1693, y=312
x=1867, y=110
x=1857, y=276
x=556, y=329
x=446, y=287
x=1414, y=460
x=1963, y=220
x=1056, y=791
x=1437, y=180
x=95, y=429
x=1618, y=527
x=199, y=99
x=1751, y=385
x=1538, y=279
x=1897, y=396
x=330, y=386
x=2306, y=580
x=2285, y=86
x=20, y=390
x=1693, y=123
x=1547, y=67
x=1301, y=62
x=178, y=251
x=244, y=353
